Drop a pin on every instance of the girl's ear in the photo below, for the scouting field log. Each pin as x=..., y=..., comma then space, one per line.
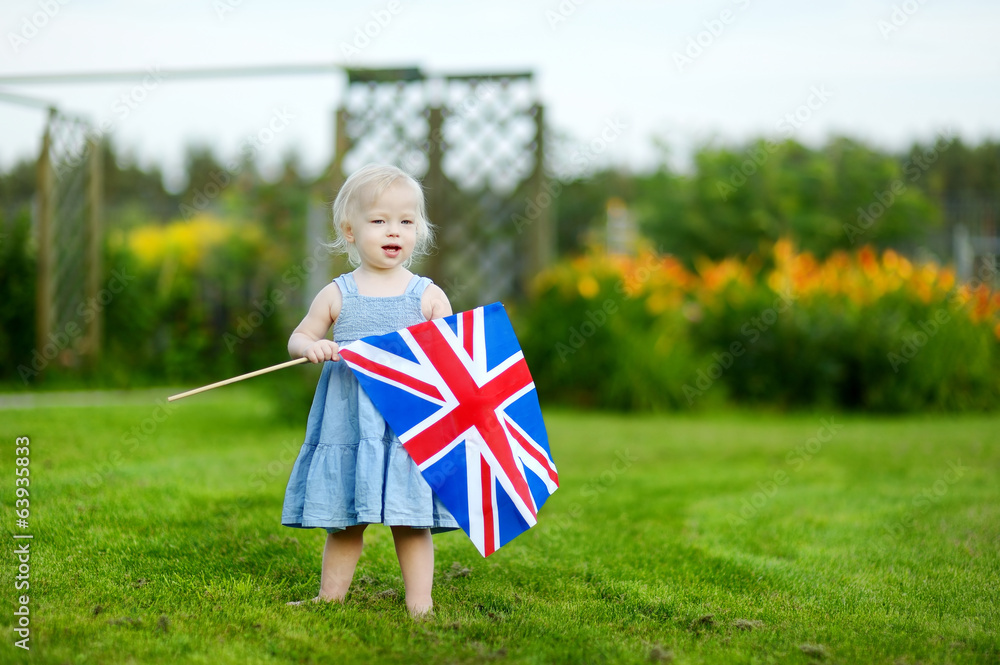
x=348, y=234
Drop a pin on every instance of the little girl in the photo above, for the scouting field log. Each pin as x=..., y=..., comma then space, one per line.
x=352, y=470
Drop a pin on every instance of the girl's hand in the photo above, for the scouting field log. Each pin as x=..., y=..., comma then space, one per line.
x=321, y=351
x=434, y=303
x=309, y=339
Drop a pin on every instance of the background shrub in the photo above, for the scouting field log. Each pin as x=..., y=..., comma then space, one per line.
x=855, y=331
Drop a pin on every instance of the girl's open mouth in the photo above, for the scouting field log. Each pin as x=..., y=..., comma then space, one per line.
x=391, y=250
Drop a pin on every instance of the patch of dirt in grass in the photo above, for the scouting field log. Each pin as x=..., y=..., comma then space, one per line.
x=488, y=613
x=748, y=624
x=284, y=540
x=817, y=651
x=456, y=570
x=485, y=653
x=660, y=654
x=702, y=622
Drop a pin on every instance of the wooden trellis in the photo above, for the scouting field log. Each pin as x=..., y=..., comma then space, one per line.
x=68, y=224
x=477, y=144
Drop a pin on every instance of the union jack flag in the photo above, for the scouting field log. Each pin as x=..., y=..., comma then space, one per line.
x=457, y=393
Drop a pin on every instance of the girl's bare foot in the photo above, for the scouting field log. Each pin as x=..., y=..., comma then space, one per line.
x=421, y=611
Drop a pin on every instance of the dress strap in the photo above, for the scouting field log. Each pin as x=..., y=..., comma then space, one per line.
x=347, y=284
x=418, y=284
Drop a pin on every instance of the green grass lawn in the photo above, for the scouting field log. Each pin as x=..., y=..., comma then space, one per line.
x=724, y=538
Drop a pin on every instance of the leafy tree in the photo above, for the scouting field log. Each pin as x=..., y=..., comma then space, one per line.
x=581, y=208
x=949, y=168
x=132, y=194
x=17, y=295
x=17, y=188
x=737, y=201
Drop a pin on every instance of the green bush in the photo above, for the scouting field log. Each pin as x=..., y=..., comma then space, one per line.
x=593, y=337
x=853, y=332
x=17, y=295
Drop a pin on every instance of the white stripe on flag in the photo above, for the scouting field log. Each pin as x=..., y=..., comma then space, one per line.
x=528, y=460
x=433, y=459
x=505, y=482
x=475, y=488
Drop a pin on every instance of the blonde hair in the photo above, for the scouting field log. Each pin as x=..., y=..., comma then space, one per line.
x=361, y=190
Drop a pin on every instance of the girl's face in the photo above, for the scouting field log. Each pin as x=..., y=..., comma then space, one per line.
x=386, y=231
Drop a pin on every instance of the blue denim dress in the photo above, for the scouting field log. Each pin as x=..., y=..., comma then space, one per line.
x=352, y=469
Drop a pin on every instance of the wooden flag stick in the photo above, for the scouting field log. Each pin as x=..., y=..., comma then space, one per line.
x=297, y=361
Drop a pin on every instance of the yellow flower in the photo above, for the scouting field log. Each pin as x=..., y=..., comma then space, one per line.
x=188, y=241
x=777, y=282
x=661, y=300
x=905, y=268
x=147, y=244
x=588, y=287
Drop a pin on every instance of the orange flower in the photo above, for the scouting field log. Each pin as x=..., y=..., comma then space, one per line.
x=981, y=303
x=866, y=257
x=784, y=251
x=890, y=259
x=946, y=278
x=846, y=279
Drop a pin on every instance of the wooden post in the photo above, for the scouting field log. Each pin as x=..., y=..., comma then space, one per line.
x=541, y=234
x=95, y=238
x=45, y=208
x=341, y=145
x=434, y=190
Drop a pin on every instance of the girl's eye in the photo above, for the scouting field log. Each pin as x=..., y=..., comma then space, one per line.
x=378, y=221
x=407, y=221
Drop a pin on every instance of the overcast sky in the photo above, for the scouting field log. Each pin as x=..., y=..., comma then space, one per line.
x=884, y=71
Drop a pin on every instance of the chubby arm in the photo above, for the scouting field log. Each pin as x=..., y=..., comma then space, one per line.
x=309, y=337
x=434, y=303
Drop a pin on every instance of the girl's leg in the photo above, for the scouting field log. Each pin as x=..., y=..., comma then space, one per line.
x=415, y=551
x=340, y=558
